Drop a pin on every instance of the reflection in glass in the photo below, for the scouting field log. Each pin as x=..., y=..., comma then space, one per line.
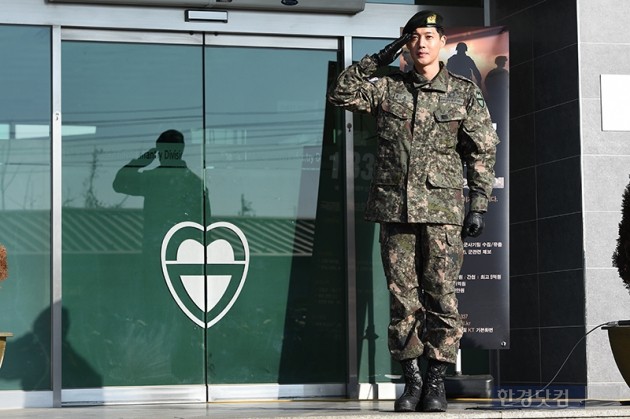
x=25, y=202
x=273, y=162
x=375, y=364
x=125, y=182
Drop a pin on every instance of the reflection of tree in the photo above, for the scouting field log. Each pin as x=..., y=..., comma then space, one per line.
x=246, y=207
x=5, y=181
x=91, y=200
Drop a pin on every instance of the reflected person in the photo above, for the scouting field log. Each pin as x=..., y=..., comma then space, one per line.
x=172, y=192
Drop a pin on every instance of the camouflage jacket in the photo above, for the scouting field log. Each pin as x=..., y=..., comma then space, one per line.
x=426, y=131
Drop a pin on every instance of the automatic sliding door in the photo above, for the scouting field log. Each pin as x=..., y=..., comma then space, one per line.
x=132, y=141
x=197, y=251
x=272, y=169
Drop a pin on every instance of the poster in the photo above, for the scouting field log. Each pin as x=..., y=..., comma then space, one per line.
x=483, y=285
x=482, y=55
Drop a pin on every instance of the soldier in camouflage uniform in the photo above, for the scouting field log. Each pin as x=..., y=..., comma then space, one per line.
x=430, y=122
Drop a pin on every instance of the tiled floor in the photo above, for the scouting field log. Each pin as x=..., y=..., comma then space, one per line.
x=313, y=409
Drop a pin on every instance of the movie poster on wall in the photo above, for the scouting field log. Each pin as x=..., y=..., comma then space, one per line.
x=482, y=55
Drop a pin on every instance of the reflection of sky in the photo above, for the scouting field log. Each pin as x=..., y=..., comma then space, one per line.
x=260, y=112
x=265, y=109
x=25, y=105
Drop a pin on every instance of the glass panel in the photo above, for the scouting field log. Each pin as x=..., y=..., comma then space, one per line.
x=272, y=168
x=125, y=184
x=25, y=205
x=375, y=363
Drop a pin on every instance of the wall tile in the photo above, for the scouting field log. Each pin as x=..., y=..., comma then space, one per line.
x=522, y=142
x=521, y=363
x=600, y=238
x=547, y=15
x=560, y=243
x=556, y=78
x=606, y=297
x=562, y=298
x=605, y=179
x=603, y=20
x=556, y=343
x=502, y=9
x=521, y=43
x=524, y=302
x=596, y=141
x=557, y=132
x=523, y=248
x=523, y=203
x=521, y=89
x=558, y=187
x=601, y=58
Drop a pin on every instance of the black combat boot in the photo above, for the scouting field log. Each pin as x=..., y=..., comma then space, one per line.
x=433, y=393
x=408, y=401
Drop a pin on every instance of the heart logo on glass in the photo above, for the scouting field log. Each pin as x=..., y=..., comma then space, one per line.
x=205, y=284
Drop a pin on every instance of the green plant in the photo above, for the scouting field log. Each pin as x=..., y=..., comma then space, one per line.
x=621, y=255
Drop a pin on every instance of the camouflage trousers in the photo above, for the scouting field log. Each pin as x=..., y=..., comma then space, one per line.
x=422, y=263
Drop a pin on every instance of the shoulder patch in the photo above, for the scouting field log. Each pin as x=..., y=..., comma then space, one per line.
x=479, y=98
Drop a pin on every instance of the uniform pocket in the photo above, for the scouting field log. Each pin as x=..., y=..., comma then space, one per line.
x=393, y=128
x=393, y=120
x=448, y=122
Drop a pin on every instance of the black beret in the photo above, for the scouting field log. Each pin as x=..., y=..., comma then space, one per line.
x=423, y=19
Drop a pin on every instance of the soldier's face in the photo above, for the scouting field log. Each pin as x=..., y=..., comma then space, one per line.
x=424, y=46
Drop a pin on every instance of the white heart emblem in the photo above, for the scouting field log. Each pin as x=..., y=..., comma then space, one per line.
x=203, y=283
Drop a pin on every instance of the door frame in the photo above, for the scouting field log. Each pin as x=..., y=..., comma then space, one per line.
x=206, y=392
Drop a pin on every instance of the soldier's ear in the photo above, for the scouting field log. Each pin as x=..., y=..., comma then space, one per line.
x=443, y=40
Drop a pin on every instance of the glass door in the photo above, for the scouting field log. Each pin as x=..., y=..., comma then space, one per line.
x=271, y=166
x=202, y=213
x=132, y=168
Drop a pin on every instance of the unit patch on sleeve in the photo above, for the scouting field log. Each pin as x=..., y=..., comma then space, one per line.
x=479, y=97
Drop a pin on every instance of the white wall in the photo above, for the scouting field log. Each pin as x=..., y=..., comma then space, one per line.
x=604, y=48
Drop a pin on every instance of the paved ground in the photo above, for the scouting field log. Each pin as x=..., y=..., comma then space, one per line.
x=318, y=409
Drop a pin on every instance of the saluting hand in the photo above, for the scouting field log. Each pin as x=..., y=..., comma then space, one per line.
x=388, y=54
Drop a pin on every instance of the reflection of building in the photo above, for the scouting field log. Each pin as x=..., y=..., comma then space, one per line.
x=131, y=72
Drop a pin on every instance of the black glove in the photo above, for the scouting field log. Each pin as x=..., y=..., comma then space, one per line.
x=473, y=225
x=388, y=54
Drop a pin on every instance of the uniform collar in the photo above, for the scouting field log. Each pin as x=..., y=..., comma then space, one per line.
x=439, y=82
